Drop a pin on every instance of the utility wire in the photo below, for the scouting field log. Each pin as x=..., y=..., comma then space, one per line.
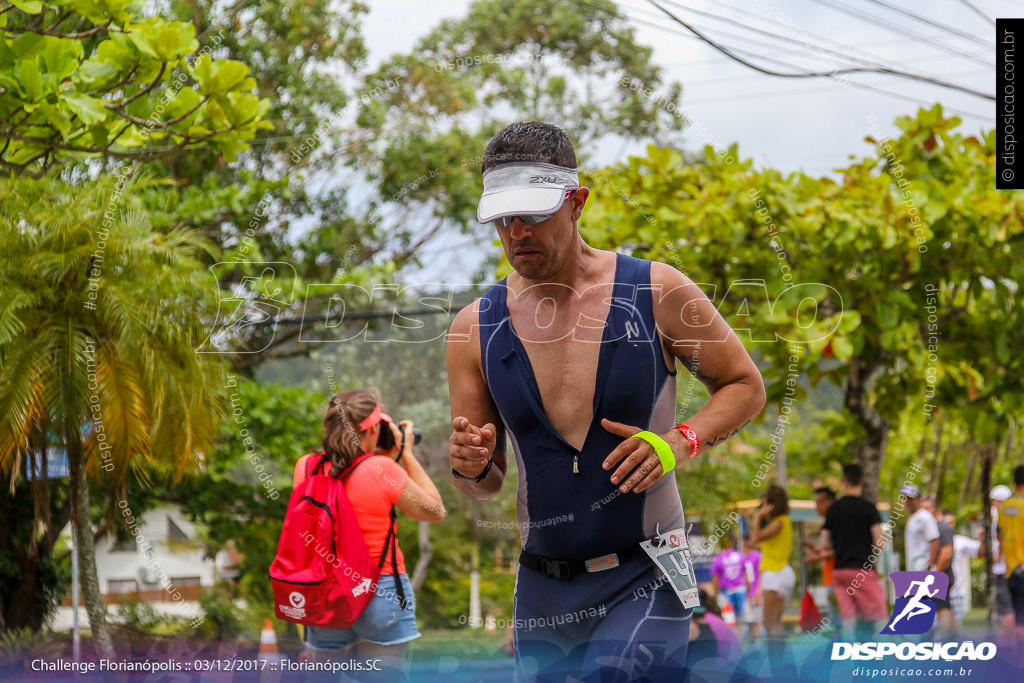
x=817, y=46
x=715, y=60
x=900, y=96
x=979, y=12
x=930, y=22
x=730, y=53
x=834, y=4
x=851, y=51
x=748, y=79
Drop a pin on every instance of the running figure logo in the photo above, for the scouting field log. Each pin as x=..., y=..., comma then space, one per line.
x=914, y=611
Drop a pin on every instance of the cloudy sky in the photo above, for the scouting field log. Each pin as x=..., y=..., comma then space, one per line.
x=791, y=124
x=813, y=125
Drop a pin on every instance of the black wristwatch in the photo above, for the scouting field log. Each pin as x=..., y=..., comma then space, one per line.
x=477, y=479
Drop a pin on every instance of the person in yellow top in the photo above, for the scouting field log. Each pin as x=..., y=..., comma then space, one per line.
x=1011, y=539
x=774, y=533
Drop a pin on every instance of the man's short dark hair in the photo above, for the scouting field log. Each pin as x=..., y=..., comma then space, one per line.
x=853, y=474
x=825, y=491
x=529, y=141
x=1018, y=475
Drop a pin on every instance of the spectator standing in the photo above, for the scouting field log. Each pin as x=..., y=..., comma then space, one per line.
x=964, y=548
x=1011, y=537
x=773, y=531
x=824, y=497
x=853, y=531
x=353, y=425
x=1004, y=605
x=729, y=579
x=921, y=535
x=752, y=611
x=944, y=563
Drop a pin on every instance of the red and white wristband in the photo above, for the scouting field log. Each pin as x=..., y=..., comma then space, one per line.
x=691, y=436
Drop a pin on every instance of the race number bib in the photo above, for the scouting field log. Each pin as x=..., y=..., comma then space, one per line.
x=671, y=553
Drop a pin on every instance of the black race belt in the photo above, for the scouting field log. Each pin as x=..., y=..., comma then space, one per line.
x=567, y=569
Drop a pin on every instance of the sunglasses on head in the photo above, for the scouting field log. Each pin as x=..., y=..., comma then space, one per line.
x=532, y=218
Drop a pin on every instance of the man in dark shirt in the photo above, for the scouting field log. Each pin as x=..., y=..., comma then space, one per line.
x=853, y=530
x=944, y=563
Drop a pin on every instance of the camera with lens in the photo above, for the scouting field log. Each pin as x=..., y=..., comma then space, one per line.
x=386, y=440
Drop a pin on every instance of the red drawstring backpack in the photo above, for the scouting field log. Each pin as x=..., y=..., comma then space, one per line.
x=810, y=617
x=322, y=574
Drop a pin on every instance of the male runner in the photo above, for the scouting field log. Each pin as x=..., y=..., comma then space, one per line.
x=572, y=355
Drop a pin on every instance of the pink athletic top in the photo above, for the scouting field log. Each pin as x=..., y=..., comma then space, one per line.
x=372, y=489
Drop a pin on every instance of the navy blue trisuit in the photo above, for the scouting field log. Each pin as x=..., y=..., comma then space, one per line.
x=622, y=623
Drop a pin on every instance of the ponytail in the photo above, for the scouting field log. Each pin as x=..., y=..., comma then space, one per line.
x=342, y=438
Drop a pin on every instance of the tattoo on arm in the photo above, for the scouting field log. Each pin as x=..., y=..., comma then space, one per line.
x=706, y=380
x=692, y=364
x=719, y=439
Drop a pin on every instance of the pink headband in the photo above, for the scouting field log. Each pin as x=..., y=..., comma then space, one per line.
x=373, y=418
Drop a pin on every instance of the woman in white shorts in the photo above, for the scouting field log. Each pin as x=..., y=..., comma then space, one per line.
x=773, y=531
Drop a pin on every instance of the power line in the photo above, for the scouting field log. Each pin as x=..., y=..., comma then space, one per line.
x=789, y=39
x=738, y=79
x=819, y=46
x=978, y=12
x=797, y=91
x=851, y=50
x=834, y=4
x=731, y=53
x=930, y=22
x=853, y=84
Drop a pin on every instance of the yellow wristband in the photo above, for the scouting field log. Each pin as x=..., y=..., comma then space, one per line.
x=661, y=447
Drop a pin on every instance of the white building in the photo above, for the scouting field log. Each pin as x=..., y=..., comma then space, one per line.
x=161, y=564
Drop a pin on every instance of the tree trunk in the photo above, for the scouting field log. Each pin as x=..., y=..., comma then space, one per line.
x=19, y=608
x=940, y=476
x=419, y=574
x=871, y=451
x=781, y=476
x=972, y=464
x=81, y=521
x=990, y=587
x=1011, y=437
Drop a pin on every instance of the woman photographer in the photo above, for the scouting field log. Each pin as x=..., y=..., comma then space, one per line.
x=353, y=425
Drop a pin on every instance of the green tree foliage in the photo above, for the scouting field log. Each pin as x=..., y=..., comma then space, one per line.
x=97, y=347
x=304, y=55
x=425, y=117
x=230, y=502
x=898, y=282
x=80, y=79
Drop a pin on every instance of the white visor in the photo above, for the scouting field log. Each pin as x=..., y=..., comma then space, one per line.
x=521, y=188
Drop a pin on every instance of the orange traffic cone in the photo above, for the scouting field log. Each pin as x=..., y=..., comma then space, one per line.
x=728, y=615
x=268, y=643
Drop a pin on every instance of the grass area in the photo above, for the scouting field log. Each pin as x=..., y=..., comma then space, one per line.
x=472, y=644
x=975, y=621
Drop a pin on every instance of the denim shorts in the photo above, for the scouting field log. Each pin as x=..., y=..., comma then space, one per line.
x=383, y=622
